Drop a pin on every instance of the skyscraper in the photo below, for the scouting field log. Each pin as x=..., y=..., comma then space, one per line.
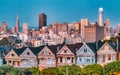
x=100, y=17
x=84, y=22
x=42, y=20
x=4, y=27
x=17, y=25
x=25, y=28
x=107, y=23
x=93, y=33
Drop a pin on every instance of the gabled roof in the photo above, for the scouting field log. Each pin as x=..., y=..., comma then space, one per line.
x=113, y=45
x=74, y=47
x=20, y=50
x=53, y=49
x=92, y=46
x=36, y=50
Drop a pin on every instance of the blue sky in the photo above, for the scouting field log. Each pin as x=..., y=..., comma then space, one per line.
x=57, y=10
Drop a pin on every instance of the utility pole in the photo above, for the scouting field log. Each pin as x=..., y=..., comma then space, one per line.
x=66, y=66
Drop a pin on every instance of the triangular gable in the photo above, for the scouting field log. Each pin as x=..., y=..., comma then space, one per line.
x=65, y=50
x=12, y=54
x=42, y=52
x=106, y=47
x=81, y=50
x=27, y=53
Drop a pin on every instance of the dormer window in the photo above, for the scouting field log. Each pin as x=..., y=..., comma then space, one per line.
x=46, y=52
x=12, y=55
x=28, y=53
x=85, y=50
x=65, y=51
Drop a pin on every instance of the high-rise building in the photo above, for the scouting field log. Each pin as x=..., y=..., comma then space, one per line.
x=17, y=25
x=84, y=22
x=93, y=33
x=56, y=28
x=4, y=27
x=25, y=28
x=107, y=23
x=13, y=30
x=64, y=27
x=77, y=26
x=100, y=17
x=42, y=20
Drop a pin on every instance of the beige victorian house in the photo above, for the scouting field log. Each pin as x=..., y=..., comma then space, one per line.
x=66, y=55
x=47, y=57
x=13, y=57
x=106, y=53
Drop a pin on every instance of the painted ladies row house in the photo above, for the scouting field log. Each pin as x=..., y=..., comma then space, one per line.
x=64, y=54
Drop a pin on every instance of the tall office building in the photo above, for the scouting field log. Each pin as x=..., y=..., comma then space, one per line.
x=56, y=28
x=42, y=20
x=93, y=33
x=17, y=25
x=64, y=27
x=4, y=27
x=77, y=26
x=84, y=22
x=13, y=30
x=25, y=28
x=100, y=17
x=107, y=23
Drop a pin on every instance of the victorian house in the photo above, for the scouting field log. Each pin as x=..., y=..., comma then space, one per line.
x=13, y=57
x=86, y=54
x=29, y=57
x=66, y=55
x=47, y=57
x=106, y=53
x=24, y=57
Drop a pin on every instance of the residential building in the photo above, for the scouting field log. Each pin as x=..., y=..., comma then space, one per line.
x=66, y=54
x=47, y=57
x=86, y=54
x=106, y=53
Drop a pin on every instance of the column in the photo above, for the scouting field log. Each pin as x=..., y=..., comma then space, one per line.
x=111, y=57
x=106, y=57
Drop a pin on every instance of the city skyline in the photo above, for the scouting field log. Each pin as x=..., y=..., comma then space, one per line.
x=60, y=11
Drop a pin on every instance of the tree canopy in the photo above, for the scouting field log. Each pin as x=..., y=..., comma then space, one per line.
x=93, y=69
x=4, y=41
x=112, y=68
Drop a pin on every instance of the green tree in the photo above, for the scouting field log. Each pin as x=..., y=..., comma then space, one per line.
x=5, y=69
x=74, y=70
x=62, y=70
x=112, y=68
x=71, y=70
x=50, y=71
x=9, y=70
x=4, y=41
x=15, y=71
x=93, y=69
x=34, y=71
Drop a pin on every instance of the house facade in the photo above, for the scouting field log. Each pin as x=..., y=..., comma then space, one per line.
x=106, y=54
x=86, y=54
x=13, y=57
x=28, y=59
x=65, y=56
x=46, y=57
